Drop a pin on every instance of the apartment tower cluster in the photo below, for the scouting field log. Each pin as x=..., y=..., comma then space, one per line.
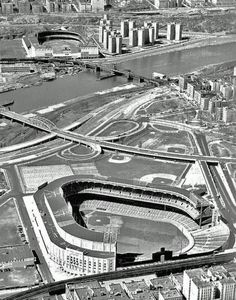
x=174, y=31
x=216, y=96
x=111, y=39
x=139, y=36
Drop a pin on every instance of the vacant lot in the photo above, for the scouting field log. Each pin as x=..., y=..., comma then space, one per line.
x=19, y=278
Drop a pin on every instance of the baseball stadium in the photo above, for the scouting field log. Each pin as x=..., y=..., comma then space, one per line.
x=86, y=222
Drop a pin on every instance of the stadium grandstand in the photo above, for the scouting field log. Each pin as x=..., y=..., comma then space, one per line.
x=81, y=251
x=59, y=43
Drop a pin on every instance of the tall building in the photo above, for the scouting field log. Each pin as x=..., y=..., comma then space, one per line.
x=204, y=103
x=227, y=288
x=101, y=33
x=228, y=115
x=190, y=89
x=24, y=7
x=151, y=35
x=124, y=28
x=7, y=8
x=141, y=37
x=119, y=44
x=133, y=37
x=183, y=80
x=155, y=25
x=146, y=35
x=36, y=8
x=106, y=34
x=234, y=92
x=194, y=288
x=54, y=7
x=178, y=32
x=227, y=91
x=131, y=24
x=170, y=31
x=65, y=7
x=112, y=44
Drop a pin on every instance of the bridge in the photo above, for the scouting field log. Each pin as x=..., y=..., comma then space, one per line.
x=97, y=67
x=43, y=124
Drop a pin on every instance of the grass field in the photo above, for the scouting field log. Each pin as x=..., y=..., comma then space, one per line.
x=137, y=168
x=8, y=224
x=178, y=141
x=80, y=150
x=12, y=48
x=136, y=235
x=116, y=128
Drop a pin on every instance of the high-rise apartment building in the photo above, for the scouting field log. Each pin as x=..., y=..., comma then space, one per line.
x=178, y=32
x=170, y=31
x=124, y=28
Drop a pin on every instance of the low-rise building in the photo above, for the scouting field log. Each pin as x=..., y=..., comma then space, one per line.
x=93, y=290
x=16, y=257
x=163, y=282
x=229, y=115
x=170, y=294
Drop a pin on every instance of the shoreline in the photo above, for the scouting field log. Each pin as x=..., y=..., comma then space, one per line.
x=200, y=43
x=212, y=66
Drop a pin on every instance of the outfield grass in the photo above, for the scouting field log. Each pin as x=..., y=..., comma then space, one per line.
x=137, y=235
x=137, y=168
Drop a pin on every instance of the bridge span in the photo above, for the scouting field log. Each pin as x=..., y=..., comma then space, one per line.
x=97, y=67
x=47, y=126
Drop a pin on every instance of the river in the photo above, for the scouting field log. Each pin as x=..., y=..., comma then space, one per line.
x=84, y=83
x=184, y=61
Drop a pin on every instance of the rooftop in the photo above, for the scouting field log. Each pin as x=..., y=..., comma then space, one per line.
x=15, y=253
x=170, y=293
x=162, y=282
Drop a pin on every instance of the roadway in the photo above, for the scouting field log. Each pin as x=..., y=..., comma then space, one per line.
x=162, y=269
x=222, y=192
x=97, y=145
x=17, y=193
x=207, y=162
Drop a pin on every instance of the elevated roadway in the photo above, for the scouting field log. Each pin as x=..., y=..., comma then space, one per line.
x=50, y=128
x=220, y=184
x=160, y=268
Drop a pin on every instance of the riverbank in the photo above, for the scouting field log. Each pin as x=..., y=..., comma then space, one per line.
x=206, y=41
x=65, y=113
x=43, y=73
x=216, y=70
